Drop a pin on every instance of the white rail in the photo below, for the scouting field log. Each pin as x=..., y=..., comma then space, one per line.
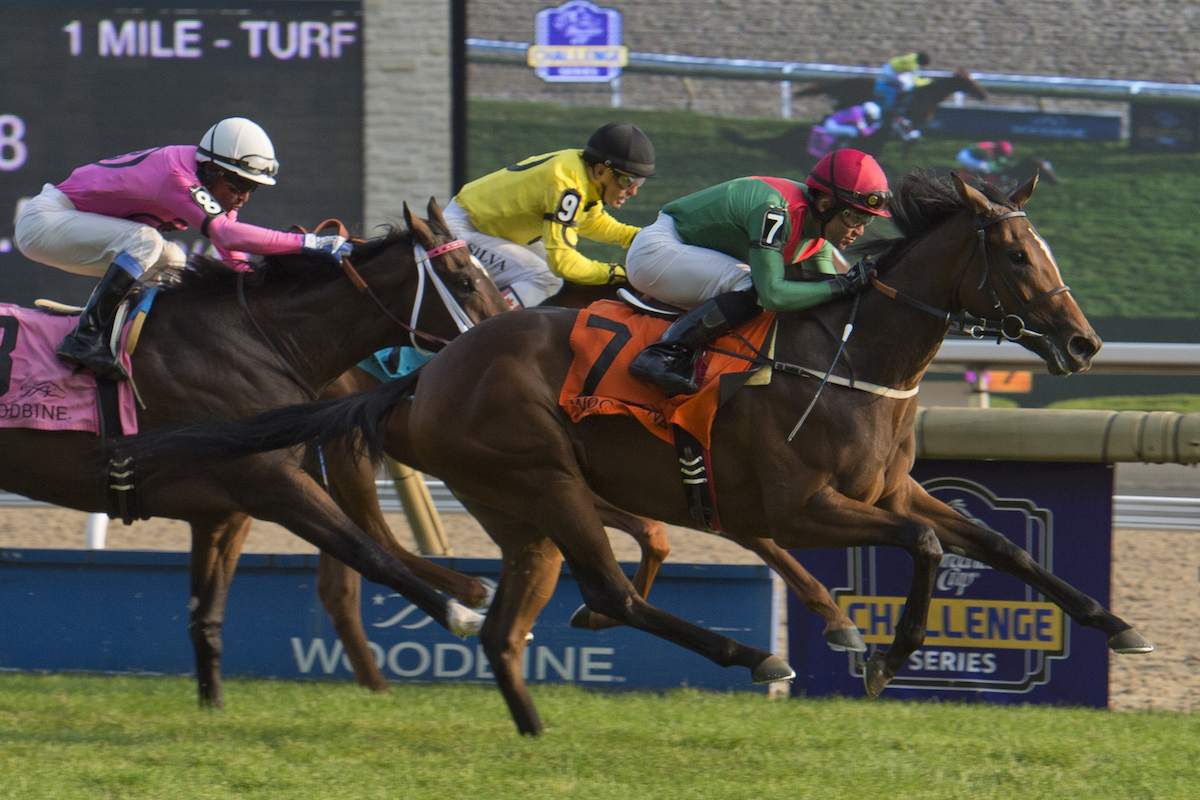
x=491, y=51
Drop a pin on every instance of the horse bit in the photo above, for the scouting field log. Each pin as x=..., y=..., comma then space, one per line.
x=1011, y=326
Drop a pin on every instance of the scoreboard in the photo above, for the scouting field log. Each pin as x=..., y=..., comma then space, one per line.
x=86, y=80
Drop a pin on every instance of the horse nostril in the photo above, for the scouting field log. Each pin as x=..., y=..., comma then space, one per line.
x=1083, y=348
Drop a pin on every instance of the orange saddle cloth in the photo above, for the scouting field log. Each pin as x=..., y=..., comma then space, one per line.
x=608, y=335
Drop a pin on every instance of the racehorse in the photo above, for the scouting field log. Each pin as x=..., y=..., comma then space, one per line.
x=485, y=418
x=791, y=146
x=225, y=345
x=350, y=479
x=1015, y=174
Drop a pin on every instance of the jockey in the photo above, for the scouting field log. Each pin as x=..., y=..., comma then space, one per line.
x=722, y=252
x=848, y=123
x=897, y=78
x=987, y=158
x=524, y=222
x=108, y=219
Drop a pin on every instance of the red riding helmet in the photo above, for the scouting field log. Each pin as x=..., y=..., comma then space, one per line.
x=854, y=178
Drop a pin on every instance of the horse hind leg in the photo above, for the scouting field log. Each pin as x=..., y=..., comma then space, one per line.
x=216, y=545
x=528, y=574
x=651, y=536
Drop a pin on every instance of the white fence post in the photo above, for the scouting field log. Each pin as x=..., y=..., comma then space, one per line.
x=97, y=531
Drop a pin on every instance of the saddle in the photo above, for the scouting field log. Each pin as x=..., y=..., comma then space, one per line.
x=608, y=335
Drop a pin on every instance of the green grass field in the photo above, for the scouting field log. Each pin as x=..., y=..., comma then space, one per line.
x=72, y=736
x=1119, y=222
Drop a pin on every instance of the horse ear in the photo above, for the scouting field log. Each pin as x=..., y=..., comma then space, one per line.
x=1021, y=196
x=419, y=228
x=971, y=196
x=433, y=212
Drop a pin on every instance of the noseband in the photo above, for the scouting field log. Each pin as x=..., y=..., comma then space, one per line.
x=1011, y=326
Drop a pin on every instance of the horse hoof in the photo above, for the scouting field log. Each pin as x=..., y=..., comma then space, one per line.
x=771, y=670
x=875, y=676
x=845, y=639
x=582, y=618
x=589, y=621
x=463, y=621
x=1129, y=641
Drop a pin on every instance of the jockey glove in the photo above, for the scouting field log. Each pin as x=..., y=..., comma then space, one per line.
x=858, y=278
x=335, y=246
x=616, y=274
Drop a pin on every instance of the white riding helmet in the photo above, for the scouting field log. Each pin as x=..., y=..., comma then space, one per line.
x=872, y=110
x=240, y=146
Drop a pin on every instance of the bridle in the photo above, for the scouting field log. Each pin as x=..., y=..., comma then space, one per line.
x=424, y=262
x=1011, y=325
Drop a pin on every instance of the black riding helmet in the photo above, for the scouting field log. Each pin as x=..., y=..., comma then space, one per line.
x=622, y=146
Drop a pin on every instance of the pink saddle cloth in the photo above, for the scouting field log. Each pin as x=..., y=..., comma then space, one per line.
x=39, y=391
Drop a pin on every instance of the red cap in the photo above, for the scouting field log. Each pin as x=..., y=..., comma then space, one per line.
x=854, y=178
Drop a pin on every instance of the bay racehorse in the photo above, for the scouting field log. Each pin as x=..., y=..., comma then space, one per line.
x=226, y=345
x=351, y=482
x=485, y=418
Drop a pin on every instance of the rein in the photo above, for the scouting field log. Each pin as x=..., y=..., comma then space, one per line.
x=1011, y=326
x=423, y=260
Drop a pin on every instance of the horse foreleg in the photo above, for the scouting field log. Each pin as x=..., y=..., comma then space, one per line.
x=966, y=538
x=352, y=485
x=285, y=494
x=651, y=536
x=829, y=519
x=528, y=575
x=840, y=632
x=216, y=545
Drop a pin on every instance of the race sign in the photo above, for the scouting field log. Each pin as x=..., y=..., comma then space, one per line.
x=86, y=80
x=578, y=42
x=989, y=635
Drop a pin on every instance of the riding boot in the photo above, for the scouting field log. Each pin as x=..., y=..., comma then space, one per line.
x=671, y=361
x=88, y=344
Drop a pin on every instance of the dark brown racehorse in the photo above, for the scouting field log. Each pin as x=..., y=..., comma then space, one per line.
x=485, y=418
x=212, y=348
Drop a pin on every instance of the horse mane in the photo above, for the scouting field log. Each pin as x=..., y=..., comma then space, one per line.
x=211, y=276
x=921, y=203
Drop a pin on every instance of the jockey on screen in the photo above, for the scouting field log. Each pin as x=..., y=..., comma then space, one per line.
x=987, y=159
x=848, y=123
x=722, y=253
x=523, y=222
x=897, y=78
x=108, y=219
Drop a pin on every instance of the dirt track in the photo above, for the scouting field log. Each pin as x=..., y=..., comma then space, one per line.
x=1155, y=582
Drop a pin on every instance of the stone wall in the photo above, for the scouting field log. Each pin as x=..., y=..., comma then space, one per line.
x=1140, y=40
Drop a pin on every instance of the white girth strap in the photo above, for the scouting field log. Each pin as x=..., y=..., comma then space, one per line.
x=763, y=377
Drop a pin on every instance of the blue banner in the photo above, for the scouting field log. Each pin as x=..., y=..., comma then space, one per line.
x=111, y=611
x=989, y=636
x=1002, y=122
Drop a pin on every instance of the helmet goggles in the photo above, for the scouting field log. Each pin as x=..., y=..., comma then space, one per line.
x=255, y=165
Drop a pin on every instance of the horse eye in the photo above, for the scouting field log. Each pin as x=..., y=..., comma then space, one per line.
x=1018, y=257
x=464, y=284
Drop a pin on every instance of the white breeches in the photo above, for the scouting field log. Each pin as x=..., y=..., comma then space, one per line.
x=50, y=231
x=520, y=268
x=663, y=266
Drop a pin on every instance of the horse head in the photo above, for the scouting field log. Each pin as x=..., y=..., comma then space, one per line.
x=1017, y=282
x=461, y=279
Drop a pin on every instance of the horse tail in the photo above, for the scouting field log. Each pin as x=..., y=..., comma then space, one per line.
x=306, y=423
